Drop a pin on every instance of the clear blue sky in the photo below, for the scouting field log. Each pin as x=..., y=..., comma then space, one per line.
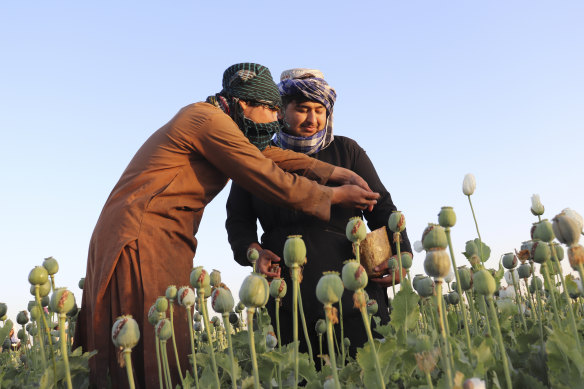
x=431, y=89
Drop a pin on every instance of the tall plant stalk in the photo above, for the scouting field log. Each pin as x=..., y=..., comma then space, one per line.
x=445, y=345
x=491, y=305
x=254, y=361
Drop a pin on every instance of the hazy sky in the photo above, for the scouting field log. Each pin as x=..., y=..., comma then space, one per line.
x=431, y=89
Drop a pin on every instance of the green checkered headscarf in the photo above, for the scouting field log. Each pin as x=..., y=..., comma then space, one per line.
x=251, y=82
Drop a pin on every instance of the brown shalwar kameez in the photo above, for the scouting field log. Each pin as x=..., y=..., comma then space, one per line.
x=144, y=238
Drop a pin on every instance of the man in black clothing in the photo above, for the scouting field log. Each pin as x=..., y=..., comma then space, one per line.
x=307, y=120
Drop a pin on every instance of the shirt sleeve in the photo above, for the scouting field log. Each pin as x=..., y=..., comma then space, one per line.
x=222, y=144
x=241, y=223
x=385, y=206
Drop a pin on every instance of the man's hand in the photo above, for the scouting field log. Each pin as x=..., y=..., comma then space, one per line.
x=344, y=176
x=267, y=262
x=352, y=196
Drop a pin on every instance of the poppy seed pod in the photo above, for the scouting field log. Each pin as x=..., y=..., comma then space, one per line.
x=81, y=283
x=62, y=300
x=271, y=341
x=38, y=276
x=252, y=255
x=392, y=264
x=186, y=296
x=524, y=270
x=540, y=251
x=153, y=315
x=233, y=318
x=161, y=304
x=51, y=265
x=278, y=288
x=200, y=278
x=470, y=249
x=484, y=283
x=566, y=228
x=407, y=260
x=558, y=250
x=543, y=231
x=197, y=316
x=426, y=287
x=329, y=288
x=35, y=313
x=469, y=184
x=356, y=230
x=294, y=251
x=198, y=326
x=125, y=332
x=447, y=217
x=164, y=329
x=396, y=222
x=44, y=289
x=171, y=292
x=576, y=256
x=222, y=300
x=320, y=326
x=239, y=307
x=535, y=284
x=22, y=318
x=354, y=275
x=215, y=321
x=449, y=277
x=434, y=236
x=509, y=261
x=45, y=300
x=33, y=330
x=254, y=291
x=372, y=307
x=3, y=309
x=437, y=263
x=215, y=277
x=417, y=278
x=453, y=297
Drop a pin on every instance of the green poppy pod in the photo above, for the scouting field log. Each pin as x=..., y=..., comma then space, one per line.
x=524, y=270
x=35, y=313
x=558, y=250
x=3, y=309
x=407, y=259
x=434, y=236
x=81, y=283
x=205, y=291
x=437, y=263
x=356, y=230
x=543, y=231
x=31, y=303
x=470, y=249
x=45, y=300
x=21, y=335
x=535, y=284
x=38, y=276
x=233, y=318
x=204, y=336
x=576, y=256
x=294, y=251
x=372, y=307
x=566, y=228
x=44, y=289
x=22, y=317
x=200, y=278
x=215, y=321
x=509, y=261
x=33, y=330
x=320, y=326
x=396, y=222
x=252, y=255
x=186, y=296
x=417, y=278
x=222, y=300
x=271, y=341
x=354, y=275
x=454, y=285
x=347, y=342
x=426, y=287
x=392, y=264
x=73, y=311
x=51, y=265
x=62, y=300
x=278, y=288
x=163, y=329
x=453, y=297
x=484, y=283
x=197, y=316
x=125, y=332
x=329, y=288
x=215, y=277
x=540, y=251
x=254, y=291
x=447, y=217
x=161, y=304
x=153, y=315
x=171, y=292
x=422, y=343
x=239, y=307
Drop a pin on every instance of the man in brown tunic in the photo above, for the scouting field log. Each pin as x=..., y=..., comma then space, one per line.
x=144, y=239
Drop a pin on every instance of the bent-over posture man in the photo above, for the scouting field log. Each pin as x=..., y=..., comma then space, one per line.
x=144, y=239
